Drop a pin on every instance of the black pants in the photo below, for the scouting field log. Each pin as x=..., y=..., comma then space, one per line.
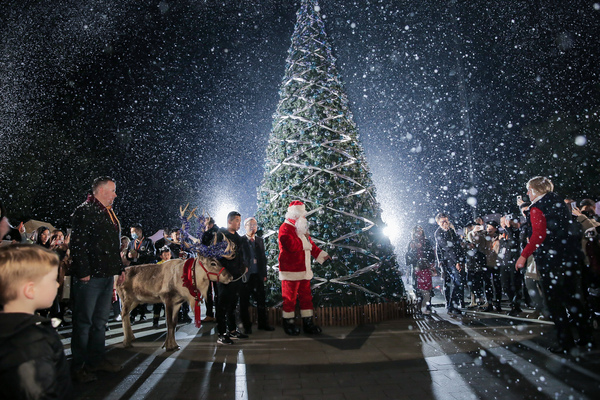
x=493, y=285
x=156, y=309
x=228, y=298
x=512, y=282
x=139, y=310
x=256, y=288
x=562, y=288
x=475, y=282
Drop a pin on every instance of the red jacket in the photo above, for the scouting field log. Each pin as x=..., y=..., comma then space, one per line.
x=295, y=254
x=424, y=279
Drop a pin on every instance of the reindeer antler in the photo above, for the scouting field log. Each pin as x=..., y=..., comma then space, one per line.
x=191, y=213
x=183, y=210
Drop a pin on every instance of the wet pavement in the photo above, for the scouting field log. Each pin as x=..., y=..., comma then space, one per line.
x=474, y=356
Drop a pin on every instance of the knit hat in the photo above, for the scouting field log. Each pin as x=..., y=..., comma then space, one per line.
x=296, y=209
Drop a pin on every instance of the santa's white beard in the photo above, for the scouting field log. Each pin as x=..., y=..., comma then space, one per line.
x=301, y=226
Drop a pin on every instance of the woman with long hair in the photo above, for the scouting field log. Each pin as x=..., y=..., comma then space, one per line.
x=419, y=248
x=42, y=236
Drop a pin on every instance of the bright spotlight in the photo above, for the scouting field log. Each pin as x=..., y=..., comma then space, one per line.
x=392, y=232
x=221, y=214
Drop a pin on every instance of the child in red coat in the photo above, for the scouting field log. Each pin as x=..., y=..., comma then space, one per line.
x=424, y=286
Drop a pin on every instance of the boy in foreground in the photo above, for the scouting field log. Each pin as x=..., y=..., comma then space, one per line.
x=32, y=360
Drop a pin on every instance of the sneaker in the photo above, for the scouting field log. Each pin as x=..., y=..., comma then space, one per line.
x=237, y=335
x=105, y=366
x=118, y=319
x=82, y=375
x=224, y=339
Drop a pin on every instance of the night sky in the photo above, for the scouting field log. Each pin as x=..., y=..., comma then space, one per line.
x=178, y=97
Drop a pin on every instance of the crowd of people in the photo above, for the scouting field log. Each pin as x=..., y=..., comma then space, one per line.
x=547, y=258
x=44, y=272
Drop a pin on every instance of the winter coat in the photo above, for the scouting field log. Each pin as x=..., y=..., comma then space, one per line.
x=424, y=281
x=208, y=236
x=259, y=253
x=295, y=254
x=32, y=359
x=510, y=249
x=556, y=235
x=490, y=246
x=145, y=250
x=95, y=241
x=419, y=249
x=448, y=250
x=475, y=260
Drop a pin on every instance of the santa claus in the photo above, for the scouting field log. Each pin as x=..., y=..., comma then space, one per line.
x=295, y=251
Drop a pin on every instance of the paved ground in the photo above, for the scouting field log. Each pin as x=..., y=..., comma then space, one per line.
x=478, y=356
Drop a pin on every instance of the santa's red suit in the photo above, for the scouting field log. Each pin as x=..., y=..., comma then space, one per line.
x=295, y=273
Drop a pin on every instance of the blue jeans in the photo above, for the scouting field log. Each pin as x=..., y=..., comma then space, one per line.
x=91, y=308
x=453, y=287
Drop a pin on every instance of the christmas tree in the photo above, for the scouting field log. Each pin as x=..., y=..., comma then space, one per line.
x=314, y=155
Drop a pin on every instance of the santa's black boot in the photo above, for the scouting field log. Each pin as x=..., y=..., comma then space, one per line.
x=309, y=327
x=290, y=327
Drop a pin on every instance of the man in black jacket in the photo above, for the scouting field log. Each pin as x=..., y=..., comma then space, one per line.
x=95, y=250
x=229, y=293
x=450, y=259
x=253, y=281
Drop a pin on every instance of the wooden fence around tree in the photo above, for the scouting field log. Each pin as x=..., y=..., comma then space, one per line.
x=349, y=316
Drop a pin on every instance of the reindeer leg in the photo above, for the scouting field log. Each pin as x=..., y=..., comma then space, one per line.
x=127, y=306
x=171, y=315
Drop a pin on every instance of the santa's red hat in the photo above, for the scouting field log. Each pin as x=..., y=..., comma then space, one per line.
x=296, y=209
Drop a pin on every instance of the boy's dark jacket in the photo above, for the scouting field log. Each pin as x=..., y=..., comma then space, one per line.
x=32, y=359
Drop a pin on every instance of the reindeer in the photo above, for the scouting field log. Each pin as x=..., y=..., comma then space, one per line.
x=164, y=283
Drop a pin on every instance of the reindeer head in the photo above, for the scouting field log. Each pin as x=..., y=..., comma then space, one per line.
x=216, y=272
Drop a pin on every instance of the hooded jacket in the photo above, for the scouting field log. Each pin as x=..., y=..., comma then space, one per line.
x=32, y=359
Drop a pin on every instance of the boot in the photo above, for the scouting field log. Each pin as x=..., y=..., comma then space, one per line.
x=473, y=302
x=309, y=327
x=290, y=327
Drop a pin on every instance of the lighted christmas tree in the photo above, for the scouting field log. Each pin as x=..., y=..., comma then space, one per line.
x=314, y=156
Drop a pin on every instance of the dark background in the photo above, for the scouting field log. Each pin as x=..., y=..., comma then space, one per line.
x=175, y=100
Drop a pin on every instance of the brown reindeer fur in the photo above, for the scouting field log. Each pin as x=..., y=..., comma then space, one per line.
x=163, y=283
